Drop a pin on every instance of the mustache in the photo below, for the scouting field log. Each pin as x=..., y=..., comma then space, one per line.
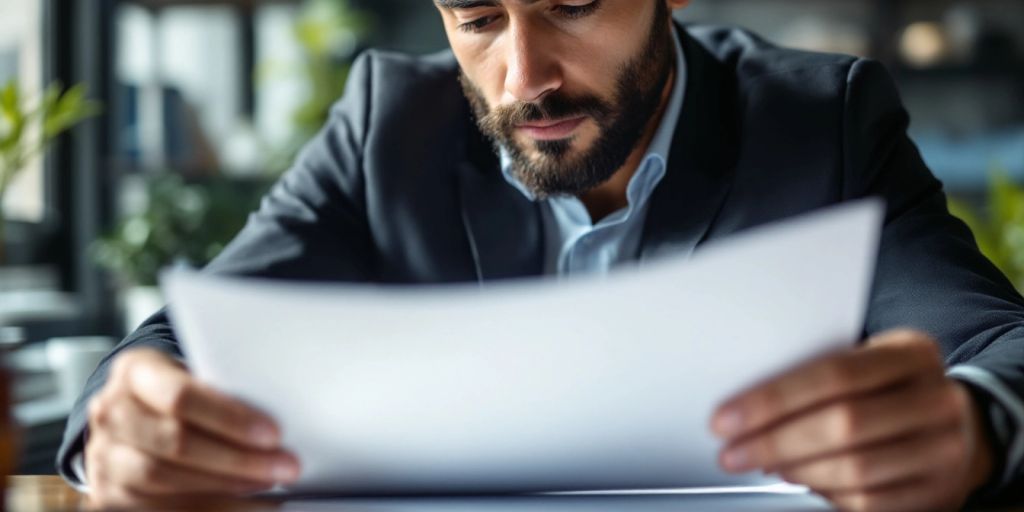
x=505, y=118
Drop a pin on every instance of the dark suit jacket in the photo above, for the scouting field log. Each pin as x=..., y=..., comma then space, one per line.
x=400, y=187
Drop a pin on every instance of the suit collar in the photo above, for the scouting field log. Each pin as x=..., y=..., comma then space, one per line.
x=701, y=163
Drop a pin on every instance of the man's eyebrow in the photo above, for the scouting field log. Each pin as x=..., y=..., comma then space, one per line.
x=469, y=4
x=465, y=4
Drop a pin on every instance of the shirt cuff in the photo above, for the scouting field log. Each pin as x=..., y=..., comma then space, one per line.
x=1011, y=404
x=78, y=471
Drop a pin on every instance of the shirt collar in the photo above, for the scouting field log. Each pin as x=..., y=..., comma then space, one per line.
x=661, y=144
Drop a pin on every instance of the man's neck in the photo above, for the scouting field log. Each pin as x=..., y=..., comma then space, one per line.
x=610, y=196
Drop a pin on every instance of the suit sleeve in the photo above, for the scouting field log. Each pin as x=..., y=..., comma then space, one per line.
x=931, y=275
x=310, y=226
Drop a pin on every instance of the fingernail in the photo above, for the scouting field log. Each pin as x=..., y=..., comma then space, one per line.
x=263, y=435
x=736, y=459
x=284, y=471
x=729, y=422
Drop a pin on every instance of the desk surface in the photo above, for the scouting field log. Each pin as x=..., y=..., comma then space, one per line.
x=43, y=493
x=51, y=494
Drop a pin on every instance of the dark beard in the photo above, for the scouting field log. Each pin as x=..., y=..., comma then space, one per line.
x=622, y=121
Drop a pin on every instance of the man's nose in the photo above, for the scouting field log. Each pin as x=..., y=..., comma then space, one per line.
x=532, y=71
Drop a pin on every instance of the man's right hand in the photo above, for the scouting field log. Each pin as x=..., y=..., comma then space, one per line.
x=156, y=432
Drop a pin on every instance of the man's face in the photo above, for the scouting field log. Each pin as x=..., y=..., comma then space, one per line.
x=567, y=87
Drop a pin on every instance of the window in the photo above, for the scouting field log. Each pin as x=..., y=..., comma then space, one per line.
x=21, y=58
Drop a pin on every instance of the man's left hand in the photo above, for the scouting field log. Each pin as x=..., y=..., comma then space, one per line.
x=878, y=427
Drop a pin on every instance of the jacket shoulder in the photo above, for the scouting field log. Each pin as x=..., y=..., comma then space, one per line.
x=421, y=79
x=752, y=58
x=406, y=94
x=394, y=65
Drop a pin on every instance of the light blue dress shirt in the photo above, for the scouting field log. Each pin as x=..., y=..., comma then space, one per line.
x=574, y=245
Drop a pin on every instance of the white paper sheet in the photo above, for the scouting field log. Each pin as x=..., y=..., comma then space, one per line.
x=664, y=502
x=529, y=386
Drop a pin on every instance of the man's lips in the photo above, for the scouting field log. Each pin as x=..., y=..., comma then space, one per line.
x=551, y=130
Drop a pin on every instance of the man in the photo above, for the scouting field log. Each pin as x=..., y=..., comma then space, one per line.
x=571, y=136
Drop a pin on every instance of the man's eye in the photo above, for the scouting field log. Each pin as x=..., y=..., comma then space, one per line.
x=568, y=11
x=578, y=11
x=477, y=24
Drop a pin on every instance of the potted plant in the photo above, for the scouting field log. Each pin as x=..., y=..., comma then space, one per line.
x=26, y=130
x=328, y=33
x=999, y=227
x=186, y=222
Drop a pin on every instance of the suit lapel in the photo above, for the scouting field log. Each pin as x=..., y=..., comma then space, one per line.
x=701, y=162
x=503, y=226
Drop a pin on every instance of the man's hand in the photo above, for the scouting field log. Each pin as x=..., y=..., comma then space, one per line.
x=156, y=432
x=876, y=428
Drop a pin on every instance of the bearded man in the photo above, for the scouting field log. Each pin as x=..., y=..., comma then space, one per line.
x=571, y=137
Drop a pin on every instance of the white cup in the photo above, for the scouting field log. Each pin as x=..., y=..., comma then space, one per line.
x=73, y=360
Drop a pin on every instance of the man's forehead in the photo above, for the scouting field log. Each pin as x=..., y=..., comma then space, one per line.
x=469, y=4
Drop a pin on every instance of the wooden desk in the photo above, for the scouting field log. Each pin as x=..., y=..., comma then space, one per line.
x=51, y=494
x=44, y=493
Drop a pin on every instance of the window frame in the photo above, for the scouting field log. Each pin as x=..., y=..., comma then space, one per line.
x=78, y=48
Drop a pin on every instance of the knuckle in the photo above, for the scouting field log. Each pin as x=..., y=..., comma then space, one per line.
x=174, y=439
x=95, y=462
x=251, y=461
x=99, y=411
x=872, y=502
x=836, y=375
x=858, y=502
x=769, y=399
x=953, y=402
x=929, y=354
x=115, y=496
x=858, y=471
x=177, y=400
x=846, y=423
x=255, y=466
x=148, y=470
x=960, y=397
x=100, y=496
x=123, y=363
x=954, y=447
x=768, y=449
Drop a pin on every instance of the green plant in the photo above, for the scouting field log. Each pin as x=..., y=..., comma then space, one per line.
x=999, y=227
x=182, y=222
x=26, y=130
x=327, y=32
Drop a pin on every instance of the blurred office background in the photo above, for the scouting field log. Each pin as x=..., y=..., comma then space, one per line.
x=205, y=102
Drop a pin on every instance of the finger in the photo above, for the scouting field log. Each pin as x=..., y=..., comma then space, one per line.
x=131, y=423
x=168, y=389
x=881, y=465
x=890, y=359
x=143, y=474
x=131, y=501
x=110, y=485
x=112, y=498
x=918, y=495
x=900, y=412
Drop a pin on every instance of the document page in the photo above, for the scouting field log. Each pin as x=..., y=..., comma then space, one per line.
x=537, y=385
